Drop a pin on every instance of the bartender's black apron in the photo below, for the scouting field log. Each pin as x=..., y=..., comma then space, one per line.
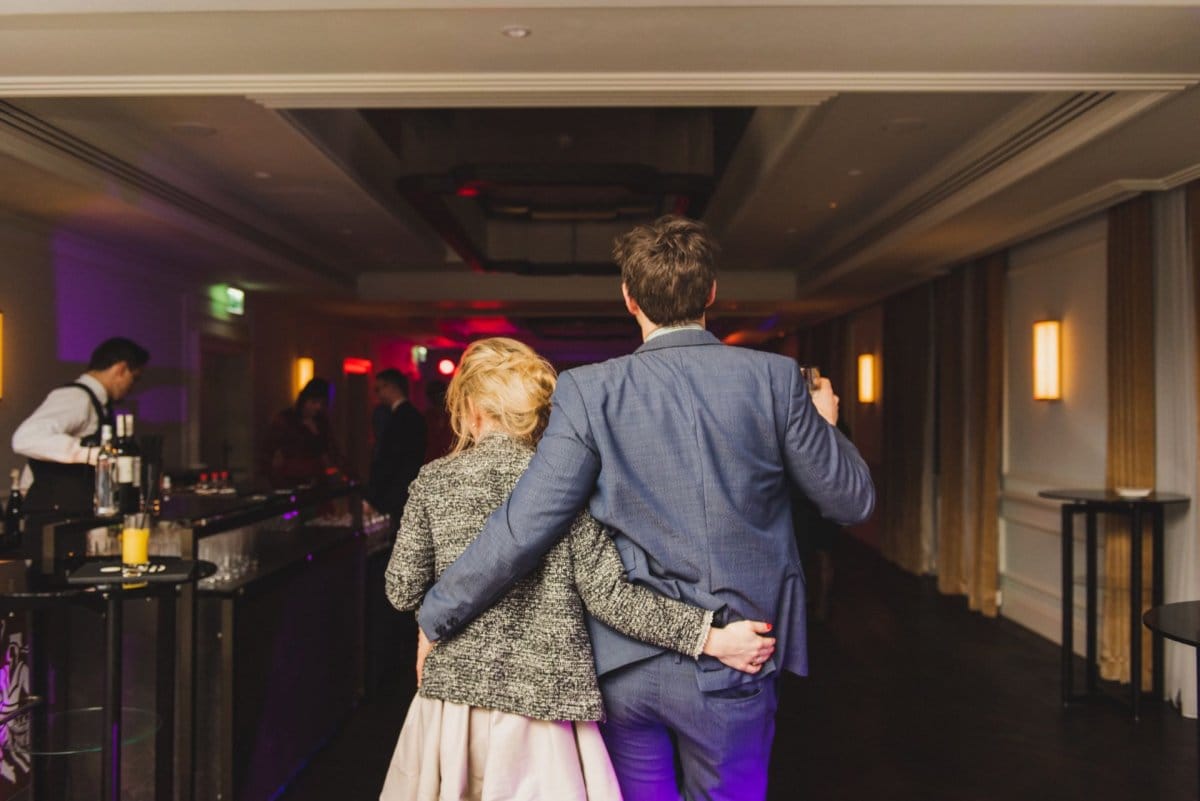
x=68, y=488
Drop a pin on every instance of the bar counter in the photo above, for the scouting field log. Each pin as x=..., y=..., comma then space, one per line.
x=269, y=652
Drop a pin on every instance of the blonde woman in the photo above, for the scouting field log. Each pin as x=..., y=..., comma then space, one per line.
x=507, y=708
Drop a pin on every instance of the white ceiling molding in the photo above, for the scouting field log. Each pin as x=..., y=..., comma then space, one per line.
x=411, y=90
x=1034, y=225
x=1077, y=208
x=1042, y=145
x=179, y=6
x=1178, y=179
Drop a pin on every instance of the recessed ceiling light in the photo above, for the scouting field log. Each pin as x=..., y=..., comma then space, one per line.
x=855, y=172
x=516, y=31
x=833, y=204
x=193, y=129
x=262, y=175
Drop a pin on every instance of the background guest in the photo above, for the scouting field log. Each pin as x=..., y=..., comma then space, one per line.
x=399, y=447
x=299, y=446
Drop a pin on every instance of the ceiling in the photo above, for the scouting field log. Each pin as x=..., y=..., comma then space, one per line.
x=422, y=173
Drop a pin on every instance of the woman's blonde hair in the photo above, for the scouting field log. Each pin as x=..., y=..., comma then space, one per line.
x=508, y=382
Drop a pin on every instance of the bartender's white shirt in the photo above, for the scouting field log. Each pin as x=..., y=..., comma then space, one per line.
x=53, y=431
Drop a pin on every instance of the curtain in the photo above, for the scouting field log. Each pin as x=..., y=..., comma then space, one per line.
x=1131, y=419
x=986, y=405
x=952, y=526
x=1178, y=441
x=907, y=396
x=970, y=345
x=825, y=347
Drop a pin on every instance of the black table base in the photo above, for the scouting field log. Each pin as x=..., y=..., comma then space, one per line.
x=1091, y=504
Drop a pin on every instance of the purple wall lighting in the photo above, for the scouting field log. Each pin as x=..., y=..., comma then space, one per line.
x=159, y=405
x=97, y=298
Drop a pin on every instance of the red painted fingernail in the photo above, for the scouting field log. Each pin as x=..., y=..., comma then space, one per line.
x=769, y=627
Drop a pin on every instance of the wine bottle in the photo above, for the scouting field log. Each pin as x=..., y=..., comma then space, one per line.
x=13, y=518
x=129, y=467
x=106, y=475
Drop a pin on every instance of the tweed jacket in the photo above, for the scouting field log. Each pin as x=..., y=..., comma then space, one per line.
x=530, y=653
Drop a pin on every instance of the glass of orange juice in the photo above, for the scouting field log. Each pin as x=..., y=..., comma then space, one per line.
x=135, y=543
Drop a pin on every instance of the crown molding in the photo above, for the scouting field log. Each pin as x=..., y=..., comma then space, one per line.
x=176, y=6
x=1077, y=208
x=407, y=90
x=1056, y=217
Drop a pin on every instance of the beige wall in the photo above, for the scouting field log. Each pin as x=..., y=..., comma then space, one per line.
x=1051, y=444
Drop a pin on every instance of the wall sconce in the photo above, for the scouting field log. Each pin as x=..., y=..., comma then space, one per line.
x=866, y=378
x=304, y=372
x=1047, y=360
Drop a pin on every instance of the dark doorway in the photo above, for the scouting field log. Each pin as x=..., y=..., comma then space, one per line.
x=226, y=432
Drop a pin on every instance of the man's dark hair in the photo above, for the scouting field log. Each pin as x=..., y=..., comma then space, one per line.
x=118, y=349
x=394, y=377
x=668, y=267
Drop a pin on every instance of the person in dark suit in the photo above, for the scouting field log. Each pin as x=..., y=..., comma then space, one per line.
x=399, y=447
x=686, y=449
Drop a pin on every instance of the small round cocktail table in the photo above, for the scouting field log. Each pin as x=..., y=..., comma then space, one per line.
x=1179, y=622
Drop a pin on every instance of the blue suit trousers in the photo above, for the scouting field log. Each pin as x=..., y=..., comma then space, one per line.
x=668, y=740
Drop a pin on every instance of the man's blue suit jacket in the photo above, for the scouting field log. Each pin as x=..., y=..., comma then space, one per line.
x=684, y=449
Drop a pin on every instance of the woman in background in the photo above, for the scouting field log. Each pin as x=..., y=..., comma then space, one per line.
x=299, y=448
x=507, y=708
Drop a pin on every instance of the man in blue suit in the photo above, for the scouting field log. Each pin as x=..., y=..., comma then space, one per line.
x=685, y=449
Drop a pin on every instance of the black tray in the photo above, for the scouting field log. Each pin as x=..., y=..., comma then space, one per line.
x=169, y=571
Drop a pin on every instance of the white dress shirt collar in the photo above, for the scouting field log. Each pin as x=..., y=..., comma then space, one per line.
x=671, y=329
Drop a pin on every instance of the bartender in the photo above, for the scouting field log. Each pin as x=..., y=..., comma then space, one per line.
x=62, y=438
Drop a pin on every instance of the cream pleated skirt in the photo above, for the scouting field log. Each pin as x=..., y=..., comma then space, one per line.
x=453, y=752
